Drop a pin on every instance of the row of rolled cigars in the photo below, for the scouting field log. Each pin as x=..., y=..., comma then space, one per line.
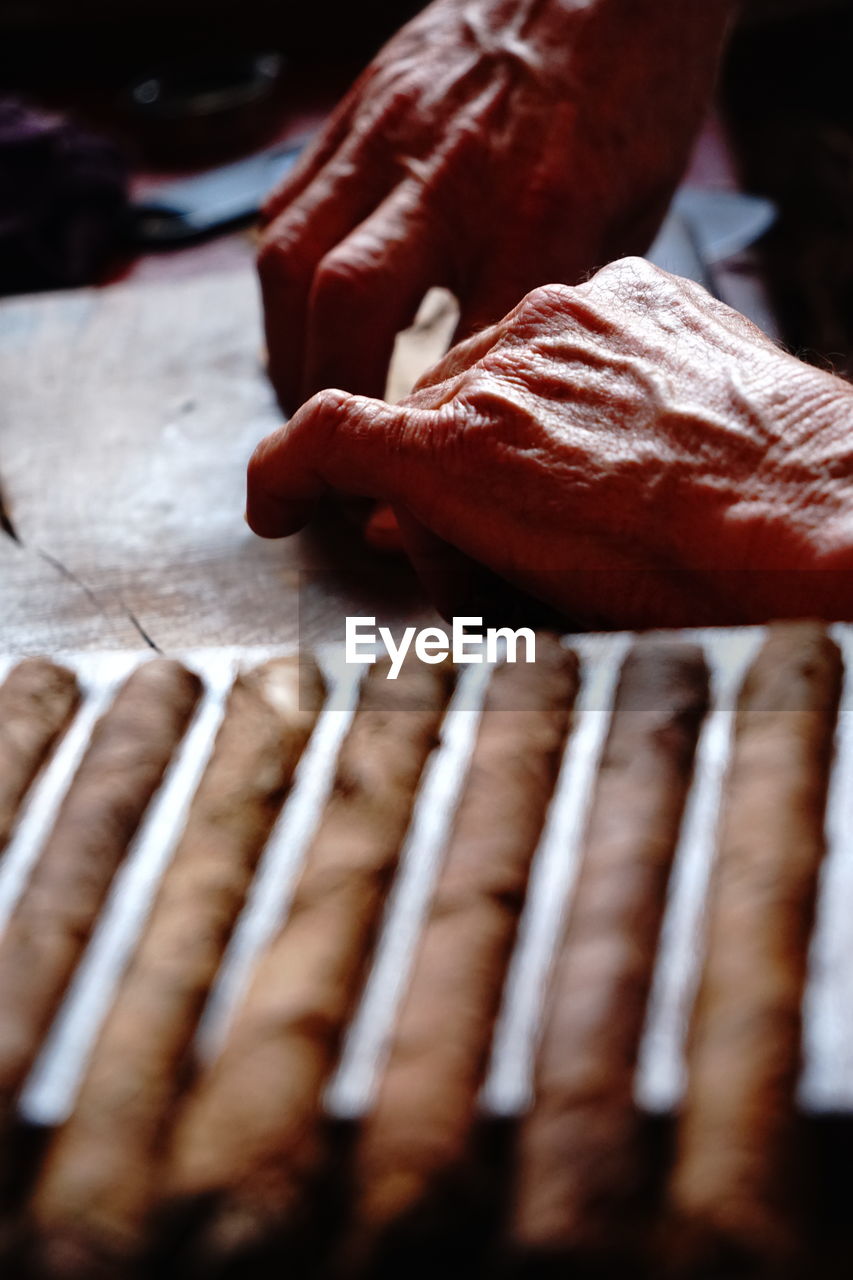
x=230, y=1165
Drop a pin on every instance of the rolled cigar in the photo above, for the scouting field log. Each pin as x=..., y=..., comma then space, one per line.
x=129, y=750
x=37, y=700
x=90, y=1204
x=414, y=1157
x=249, y=1142
x=732, y=1190
x=580, y=1150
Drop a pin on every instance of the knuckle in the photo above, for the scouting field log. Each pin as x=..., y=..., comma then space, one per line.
x=316, y=423
x=344, y=273
x=625, y=272
x=550, y=295
x=637, y=284
x=544, y=300
x=327, y=403
x=284, y=250
x=279, y=198
x=331, y=411
x=277, y=259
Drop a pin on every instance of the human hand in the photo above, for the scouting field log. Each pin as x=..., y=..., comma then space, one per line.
x=631, y=451
x=492, y=145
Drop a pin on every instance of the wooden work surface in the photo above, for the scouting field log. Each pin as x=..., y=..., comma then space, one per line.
x=128, y=415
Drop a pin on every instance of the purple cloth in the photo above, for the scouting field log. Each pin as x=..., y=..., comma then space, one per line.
x=63, y=198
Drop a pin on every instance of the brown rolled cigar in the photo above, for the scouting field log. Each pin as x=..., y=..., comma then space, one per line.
x=580, y=1151
x=130, y=747
x=415, y=1152
x=249, y=1141
x=733, y=1191
x=90, y=1205
x=37, y=700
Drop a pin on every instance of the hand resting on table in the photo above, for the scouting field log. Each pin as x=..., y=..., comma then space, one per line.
x=630, y=450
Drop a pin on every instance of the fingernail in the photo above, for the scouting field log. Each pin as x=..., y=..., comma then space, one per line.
x=382, y=532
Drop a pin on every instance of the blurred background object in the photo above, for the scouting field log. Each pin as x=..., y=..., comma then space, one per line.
x=788, y=96
x=63, y=199
x=156, y=91
x=204, y=105
x=67, y=42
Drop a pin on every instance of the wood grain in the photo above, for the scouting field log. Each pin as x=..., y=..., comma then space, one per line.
x=128, y=417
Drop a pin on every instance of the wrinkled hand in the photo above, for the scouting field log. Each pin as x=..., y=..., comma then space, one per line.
x=630, y=450
x=492, y=146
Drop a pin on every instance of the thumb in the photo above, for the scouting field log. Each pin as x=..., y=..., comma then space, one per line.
x=336, y=441
x=444, y=572
x=457, y=584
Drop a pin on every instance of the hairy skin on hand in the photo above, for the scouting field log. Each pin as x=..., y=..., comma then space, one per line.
x=491, y=146
x=629, y=450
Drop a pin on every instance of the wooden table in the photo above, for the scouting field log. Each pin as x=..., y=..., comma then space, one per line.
x=127, y=415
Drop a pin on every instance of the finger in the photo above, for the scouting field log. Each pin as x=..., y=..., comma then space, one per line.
x=336, y=442
x=456, y=584
x=291, y=249
x=360, y=126
x=366, y=290
x=459, y=358
x=313, y=159
x=382, y=531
